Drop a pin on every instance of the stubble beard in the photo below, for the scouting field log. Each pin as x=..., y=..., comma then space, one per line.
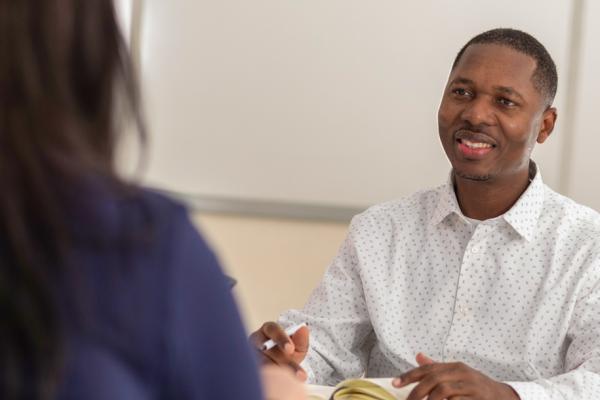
x=478, y=178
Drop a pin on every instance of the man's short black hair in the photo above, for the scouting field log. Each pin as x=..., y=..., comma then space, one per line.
x=545, y=78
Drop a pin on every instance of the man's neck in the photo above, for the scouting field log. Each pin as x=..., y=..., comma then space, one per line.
x=489, y=199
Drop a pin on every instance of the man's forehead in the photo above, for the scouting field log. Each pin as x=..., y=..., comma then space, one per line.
x=497, y=64
x=495, y=55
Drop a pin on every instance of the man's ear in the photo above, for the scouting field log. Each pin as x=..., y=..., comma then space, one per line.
x=547, y=126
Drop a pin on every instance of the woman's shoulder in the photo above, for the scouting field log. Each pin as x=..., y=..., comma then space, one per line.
x=109, y=213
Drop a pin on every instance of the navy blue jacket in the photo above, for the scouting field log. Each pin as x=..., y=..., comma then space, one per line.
x=147, y=311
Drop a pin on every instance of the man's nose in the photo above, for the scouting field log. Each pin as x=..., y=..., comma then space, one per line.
x=478, y=111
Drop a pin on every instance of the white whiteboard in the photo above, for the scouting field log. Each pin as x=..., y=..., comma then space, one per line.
x=327, y=102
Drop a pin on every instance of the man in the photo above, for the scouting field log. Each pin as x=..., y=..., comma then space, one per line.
x=493, y=279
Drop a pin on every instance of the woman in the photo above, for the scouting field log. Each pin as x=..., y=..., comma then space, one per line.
x=106, y=290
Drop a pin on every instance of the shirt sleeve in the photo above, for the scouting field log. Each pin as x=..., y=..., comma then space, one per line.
x=207, y=352
x=339, y=323
x=582, y=361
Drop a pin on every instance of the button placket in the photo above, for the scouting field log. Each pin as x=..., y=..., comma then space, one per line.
x=462, y=310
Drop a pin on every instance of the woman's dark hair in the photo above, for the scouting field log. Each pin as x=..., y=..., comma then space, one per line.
x=63, y=67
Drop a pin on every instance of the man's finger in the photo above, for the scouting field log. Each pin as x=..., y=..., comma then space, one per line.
x=278, y=356
x=296, y=369
x=275, y=332
x=281, y=360
x=428, y=384
x=300, y=339
x=415, y=375
x=445, y=370
x=257, y=338
x=446, y=390
x=266, y=359
x=422, y=359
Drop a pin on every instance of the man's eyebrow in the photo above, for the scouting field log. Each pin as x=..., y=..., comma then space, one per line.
x=509, y=91
x=462, y=80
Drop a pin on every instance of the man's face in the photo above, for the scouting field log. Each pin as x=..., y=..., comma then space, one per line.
x=491, y=114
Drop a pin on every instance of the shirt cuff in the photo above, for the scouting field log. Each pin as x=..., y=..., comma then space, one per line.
x=310, y=375
x=529, y=390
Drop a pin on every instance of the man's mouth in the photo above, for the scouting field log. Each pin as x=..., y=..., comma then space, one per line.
x=474, y=150
x=475, y=145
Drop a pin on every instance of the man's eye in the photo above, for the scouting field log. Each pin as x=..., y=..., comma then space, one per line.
x=506, y=102
x=461, y=92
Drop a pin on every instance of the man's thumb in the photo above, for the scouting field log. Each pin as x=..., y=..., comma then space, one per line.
x=300, y=339
x=422, y=359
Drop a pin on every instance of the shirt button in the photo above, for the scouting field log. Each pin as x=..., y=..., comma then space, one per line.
x=532, y=372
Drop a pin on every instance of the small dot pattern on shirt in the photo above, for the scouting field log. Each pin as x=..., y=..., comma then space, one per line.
x=516, y=297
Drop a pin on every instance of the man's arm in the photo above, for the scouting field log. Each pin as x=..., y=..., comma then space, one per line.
x=337, y=315
x=456, y=380
x=338, y=322
x=582, y=361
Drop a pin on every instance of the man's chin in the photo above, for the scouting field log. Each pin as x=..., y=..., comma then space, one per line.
x=472, y=176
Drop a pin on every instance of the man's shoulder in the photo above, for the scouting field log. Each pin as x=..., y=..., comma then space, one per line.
x=417, y=205
x=571, y=215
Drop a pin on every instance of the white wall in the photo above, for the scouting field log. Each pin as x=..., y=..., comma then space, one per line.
x=583, y=183
x=331, y=101
x=277, y=262
x=316, y=101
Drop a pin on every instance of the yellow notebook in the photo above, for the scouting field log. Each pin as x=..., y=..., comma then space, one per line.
x=359, y=389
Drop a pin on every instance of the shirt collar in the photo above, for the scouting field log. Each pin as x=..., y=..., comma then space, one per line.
x=447, y=203
x=522, y=216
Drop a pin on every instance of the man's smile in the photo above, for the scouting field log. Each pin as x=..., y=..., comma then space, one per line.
x=474, y=145
x=474, y=150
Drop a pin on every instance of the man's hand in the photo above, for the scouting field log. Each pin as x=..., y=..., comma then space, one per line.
x=455, y=381
x=290, y=350
x=279, y=384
